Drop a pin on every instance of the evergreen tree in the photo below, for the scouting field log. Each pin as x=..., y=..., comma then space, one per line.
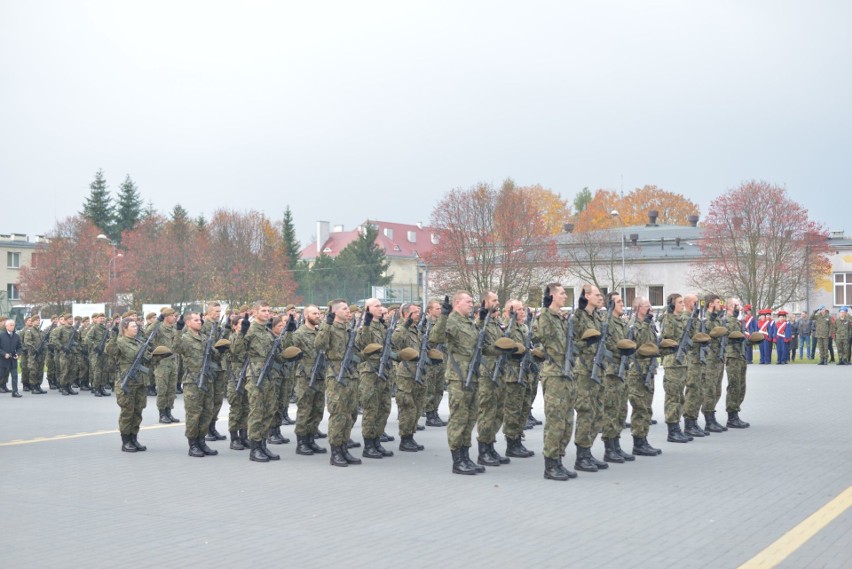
x=98, y=207
x=129, y=210
x=179, y=215
x=363, y=264
x=201, y=222
x=291, y=244
x=150, y=210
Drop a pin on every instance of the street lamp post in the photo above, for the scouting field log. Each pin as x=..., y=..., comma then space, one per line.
x=623, y=264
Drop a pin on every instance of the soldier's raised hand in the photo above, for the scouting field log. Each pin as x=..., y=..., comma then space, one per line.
x=161, y=317
x=180, y=323
x=368, y=316
x=291, y=324
x=548, y=298
x=329, y=317
x=244, y=325
x=446, y=307
x=483, y=312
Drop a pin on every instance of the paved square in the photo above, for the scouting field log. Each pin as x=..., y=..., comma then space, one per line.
x=715, y=502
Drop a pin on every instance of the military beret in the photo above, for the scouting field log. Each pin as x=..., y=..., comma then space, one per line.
x=538, y=353
x=648, y=350
x=161, y=351
x=78, y=319
x=668, y=344
x=291, y=307
x=736, y=336
x=506, y=345
x=372, y=348
x=292, y=353
x=520, y=350
x=85, y=319
x=150, y=315
x=718, y=331
x=393, y=307
x=701, y=338
x=756, y=337
x=67, y=315
x=167, y=310
x=354, y=308
x=626, y=346
x=408, y=354
x=591, y=335
x=128, y=314
x=244, y=308
x=435, y=355
x=223, y=343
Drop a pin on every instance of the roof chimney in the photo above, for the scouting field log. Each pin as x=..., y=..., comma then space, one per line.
x=652, y=218
x=568, y=227
x=634, y=238
x=322, y=234
x=693, y=220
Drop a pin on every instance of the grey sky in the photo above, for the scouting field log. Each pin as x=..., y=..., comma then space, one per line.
x=350, y=110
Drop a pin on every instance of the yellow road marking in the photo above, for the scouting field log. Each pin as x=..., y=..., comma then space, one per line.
x=796, y=537
x=80, y=435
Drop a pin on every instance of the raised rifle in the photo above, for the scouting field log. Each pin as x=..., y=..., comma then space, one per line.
x=386, y=348
x=723, y=343
x=138, y=366
x=44, y=338
x=100, y=347
x=476, y=357
x=652, y=366
x=424, y=354
x=526, y=361
x=686, y=338
x=601, y=355
x=241, y=379
x=317, y=370
x=349, y=353
x=625, y=360
x=270, y=359
x=70, y=345
x=504, y=357
x=568, y=360
x=702, y=351
x=207, y=359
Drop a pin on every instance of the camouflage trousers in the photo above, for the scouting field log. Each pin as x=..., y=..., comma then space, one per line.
x=36, y=365
x=560, y=398
x=50, y=362
x=822, y=344
x=674, y=380
x=514, y=409
x=490, y=402
x=342, y=406
x=96, y=370
x=66, y=369
x=166, y=375
x=434, y=386
x=239, y=407
x=57, y=365
x=131, y=405
x=218, y=387
x=615, y=407
x=310, y=406
x=531, y=394
x=843, y=351
x=81, y=366
x=23, y=361
x=355, y=382
x=198, y=407
x=695, y=387
x=736, y=369
x=376, y=403
x=641, y=400
x=463, y=406
x=712, y=385
x=410, y=397
x=589, y=408
x=283, y=399
x=262, y=404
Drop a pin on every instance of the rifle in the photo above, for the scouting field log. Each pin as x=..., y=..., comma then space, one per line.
x=568, y=362
x=70, y=345
x=702, y=351
x=501, y=361
x=205, y=362
x=100, y=347
x=625, y=360
x=685, y=339
x=476, y=358
x=526, y=361
x=268, y=363
x=317, y=370
x=386, y=348
x=601, y=353
x=652, y=367
x=424, y=354
x=241, y=379
x=44, y=338
x=347, y=356
x=723, y=344
x=137, y=365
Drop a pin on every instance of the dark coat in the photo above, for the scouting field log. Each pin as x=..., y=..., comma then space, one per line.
x=9, y=344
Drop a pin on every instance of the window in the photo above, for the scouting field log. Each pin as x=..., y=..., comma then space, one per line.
x=629, y=296
x=13, y=260
x=842, y=289
x=656, y=296
x=570, y=292
x=412, y=237
x=12, y=292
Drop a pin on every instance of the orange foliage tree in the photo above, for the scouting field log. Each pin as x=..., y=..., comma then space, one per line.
x=673, y=209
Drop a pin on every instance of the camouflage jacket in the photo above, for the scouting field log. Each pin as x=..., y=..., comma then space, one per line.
x=459, y=335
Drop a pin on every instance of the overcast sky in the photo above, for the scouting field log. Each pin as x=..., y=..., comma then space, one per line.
x=355, y=110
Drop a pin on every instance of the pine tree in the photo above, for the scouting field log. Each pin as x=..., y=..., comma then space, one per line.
x=129, y=210
x=201, y=222
x=98, y=207
x=363, y=264
x=179, y=215
x=291, y=244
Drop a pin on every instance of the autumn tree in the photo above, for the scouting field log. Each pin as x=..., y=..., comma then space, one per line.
x=633, y=208
x=98, y=207
x=760, y=246
x=491, y=239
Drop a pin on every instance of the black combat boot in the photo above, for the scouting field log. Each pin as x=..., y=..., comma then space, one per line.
x=497, y=456
x=465, y=452
x=314, y=446
x=27, y=386
x=152, y=391
x=269, y=454
x=535, y=421
x=98, y=393
x=4, y=388
x=236, y=442
x=676, y=435
x=257, y=454
x=485, y=458
x=179, y=388
x=127, y=444
x=244, y=437
x=135, y=440
x=711, y=425
x=691, y=428
x=285, y=416
x=407, y=444
x=302, y=446
x=377, y=444
x=584, y=460
x=599, y=463
x=84, y=385
x=648, y=446
x=352, y=444
x=320, y=435
x=552, y=470
x=516, y=449
x=460, y=466
x=570, y=473
x=62, y=390
x=37, y=390
x=616, y=442
x=386, y=438
x=610, y=454
x=734, y=421
x=202, y=444
x=70, y=389
x=164, y=418
x=370, y=450
x=194, y=450
x=337, y=458
x=212, y=433
x=275, y=437
x=347, y=456
x=432, y=419
x=640, y=448
x=171, y=417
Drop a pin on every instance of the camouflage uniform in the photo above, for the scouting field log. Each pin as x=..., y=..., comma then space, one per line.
x=611, y=422
x=695, y=377
x=310, y=402
x=841, y=335
x=49, y=356
x=822, y=333
x=375, y=397
x=165, y=371
x=237, y=400
x=32, y=339
x=560, y=393
x=715, y=369
x=81, y=357
x=409, y=395
x=459, y=335
x=124, y=350
x=736, y=366
x=96, y=360
x=641, y=393
x=259, y=341
x=514, y=407
x=674, y=378
x=434, y=382
x=342, y=403
x=65, y=361
x=492, y=396
x=589, y=403
x=23, y=359
x=198, y=404
x=218, y=381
